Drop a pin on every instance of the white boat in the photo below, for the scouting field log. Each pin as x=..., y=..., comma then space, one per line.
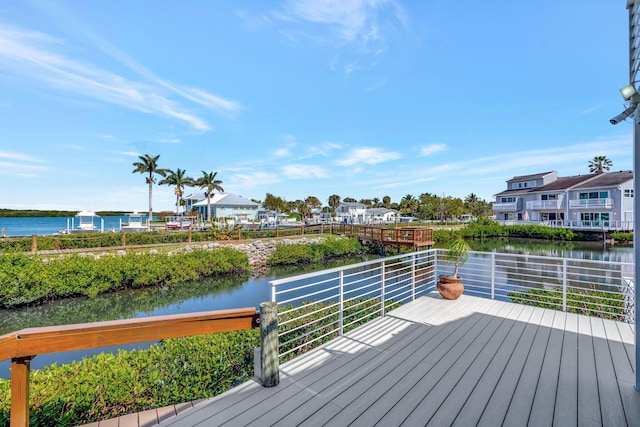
x=135, y=222
x=86, y=223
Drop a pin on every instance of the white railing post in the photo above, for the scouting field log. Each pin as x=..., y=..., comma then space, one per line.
x=341, y=305
x=564, y=285
x=413, y=277
x=273, y=292
x=382, y=290
x=493, y=275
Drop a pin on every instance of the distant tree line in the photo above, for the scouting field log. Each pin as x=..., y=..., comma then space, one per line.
x=33, y=213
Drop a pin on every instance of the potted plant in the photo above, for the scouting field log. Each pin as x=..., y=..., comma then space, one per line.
x=450, y=286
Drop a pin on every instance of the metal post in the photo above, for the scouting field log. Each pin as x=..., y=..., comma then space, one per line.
x=269, y=361
x=564, y=285
x=382, y=290
x=632, y=6
x=493, y=274
x=413, y=278
x=341, y=304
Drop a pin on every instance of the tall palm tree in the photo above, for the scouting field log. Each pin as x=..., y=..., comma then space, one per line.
x=149, y=165
x=209, y=181
x=334, y=201
x=599, y=164
x=178, y=179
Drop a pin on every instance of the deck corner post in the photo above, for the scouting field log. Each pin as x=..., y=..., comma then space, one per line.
x=269, y=361
x=19, y=412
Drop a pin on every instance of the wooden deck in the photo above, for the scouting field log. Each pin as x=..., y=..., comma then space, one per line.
x=435, y=362
x=415, y=237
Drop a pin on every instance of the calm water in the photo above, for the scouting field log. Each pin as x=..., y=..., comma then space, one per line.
x=48, y=226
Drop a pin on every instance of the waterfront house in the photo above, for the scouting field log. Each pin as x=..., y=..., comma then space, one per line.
x=351, y=212
x=227, y=205
x=380, y=215
x=598, y=201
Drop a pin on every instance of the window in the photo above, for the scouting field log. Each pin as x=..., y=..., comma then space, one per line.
x=628, y=193
x=594, y=216
x=549, y=197
x=594, y=195
x=507, y=200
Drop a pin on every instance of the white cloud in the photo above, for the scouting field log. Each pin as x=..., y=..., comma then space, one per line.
x=304, y=171
x=130, y=153
x=368, y=155
x=17, y=156
x=432, y=149
x=37, y=57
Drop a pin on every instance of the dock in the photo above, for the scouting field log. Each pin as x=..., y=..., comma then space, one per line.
x=414, y=237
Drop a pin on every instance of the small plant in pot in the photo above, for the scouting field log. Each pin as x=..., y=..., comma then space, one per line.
x=450, y=286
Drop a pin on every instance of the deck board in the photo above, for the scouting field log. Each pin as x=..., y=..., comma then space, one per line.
x=433, y=362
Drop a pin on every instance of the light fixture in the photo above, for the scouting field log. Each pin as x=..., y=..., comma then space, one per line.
x=627, y=92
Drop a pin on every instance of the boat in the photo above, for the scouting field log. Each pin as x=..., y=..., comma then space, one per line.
x=86, y=223
x=135, y=222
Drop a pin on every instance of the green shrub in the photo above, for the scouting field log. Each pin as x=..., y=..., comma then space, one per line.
x=608, y=305
x=303, y=253
x=622, y=237
x=26, y=279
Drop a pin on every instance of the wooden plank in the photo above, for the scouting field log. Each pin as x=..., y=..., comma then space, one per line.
x=588, y=399
x=498, y=404
x=129, y=420
x=472, y=361
x=624, y=369
x=545, y=397
x=522, y=400
x=382, y=396
x=566, y=408
x=368, y=373
x=334, y=375
x=610, y=401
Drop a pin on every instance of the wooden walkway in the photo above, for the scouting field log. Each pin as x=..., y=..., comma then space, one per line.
x=415, y=237
x=470, y=362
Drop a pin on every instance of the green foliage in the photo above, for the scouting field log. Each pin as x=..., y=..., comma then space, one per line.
x=457, y=254
x=301, y=253
x=622, y=237
x=110, y=385
x=608, y=305
x=484, y=227
x=26, y=279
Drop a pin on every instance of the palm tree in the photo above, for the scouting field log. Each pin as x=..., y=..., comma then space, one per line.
x=600, y=164
x=334, y=201
x=209, y=181
x=180, y=181
x=149, y=164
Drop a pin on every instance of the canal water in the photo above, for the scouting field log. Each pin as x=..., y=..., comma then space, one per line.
x=232, y=292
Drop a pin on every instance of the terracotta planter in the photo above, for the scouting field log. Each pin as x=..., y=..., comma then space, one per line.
x=450, y=287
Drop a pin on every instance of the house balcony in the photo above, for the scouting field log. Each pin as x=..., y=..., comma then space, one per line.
x=506, y=207
x=537, y=205
x=591, y=203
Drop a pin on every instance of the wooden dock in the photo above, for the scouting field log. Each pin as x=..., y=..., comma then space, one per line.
x=414, y=237
x=433, y=362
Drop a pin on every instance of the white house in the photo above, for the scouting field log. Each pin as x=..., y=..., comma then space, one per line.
x=381, y=215
x=592, y=201
x=226, y=205
x=351, y=212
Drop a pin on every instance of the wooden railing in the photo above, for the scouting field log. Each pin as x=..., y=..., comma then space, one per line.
x=24, y=345
x=406, y=236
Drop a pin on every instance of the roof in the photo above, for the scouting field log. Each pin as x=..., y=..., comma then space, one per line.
x=354, y=204
x=380, y=211
x=608, y=179
x=228, y=199
x=529, y=177
x=565, y=183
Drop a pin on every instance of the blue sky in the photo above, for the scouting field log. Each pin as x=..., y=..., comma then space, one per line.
x=305, y=98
